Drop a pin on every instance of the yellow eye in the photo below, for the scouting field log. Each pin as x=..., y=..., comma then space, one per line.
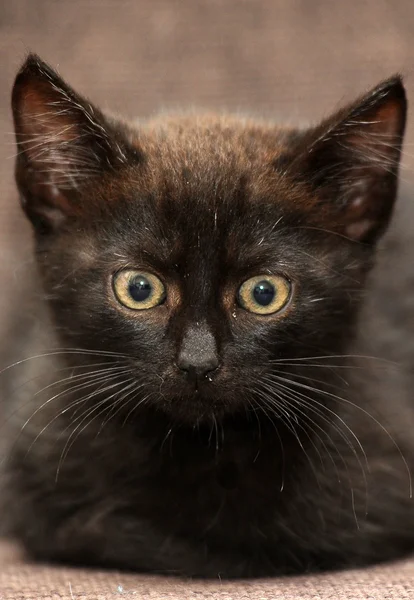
x=138, y=290
x=264, y=294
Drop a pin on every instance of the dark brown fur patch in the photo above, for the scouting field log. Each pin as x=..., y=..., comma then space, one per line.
x=199, y=436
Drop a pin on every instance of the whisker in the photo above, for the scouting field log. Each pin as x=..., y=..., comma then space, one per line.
x=121, y=402
x=67, y=408
x=317, y=390
x=72, y=437
x=88, y=380
x=306, y=359
x=63, y=351
x=301, y=400
x=289, y=425
x=282, y=485
x=142, y=401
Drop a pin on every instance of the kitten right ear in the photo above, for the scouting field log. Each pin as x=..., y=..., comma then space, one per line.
x=63, y=143
x=351, y=162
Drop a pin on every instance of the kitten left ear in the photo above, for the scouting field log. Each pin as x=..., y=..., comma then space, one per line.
x=352, y=160
x=63, y=143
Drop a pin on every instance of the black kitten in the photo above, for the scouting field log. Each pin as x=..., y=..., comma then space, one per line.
x=219, y=384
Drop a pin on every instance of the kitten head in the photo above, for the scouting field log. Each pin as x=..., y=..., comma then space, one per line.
x=209, y=251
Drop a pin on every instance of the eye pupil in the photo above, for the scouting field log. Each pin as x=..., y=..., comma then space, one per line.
x=139, y=288
x=264, y=293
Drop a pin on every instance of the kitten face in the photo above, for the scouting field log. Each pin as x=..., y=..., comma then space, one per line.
x=207, y=250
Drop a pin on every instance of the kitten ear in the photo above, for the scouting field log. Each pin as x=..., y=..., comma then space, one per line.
x=352, y=160
x=63, y=143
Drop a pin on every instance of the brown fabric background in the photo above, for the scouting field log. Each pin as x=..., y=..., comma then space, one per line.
x=19, y=580
x=295, y=59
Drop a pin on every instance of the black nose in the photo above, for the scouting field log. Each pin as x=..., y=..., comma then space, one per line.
x=198, y=353
x=195, y=366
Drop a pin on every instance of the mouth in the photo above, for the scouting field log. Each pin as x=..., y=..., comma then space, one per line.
x=195, y=403
x=193, y=400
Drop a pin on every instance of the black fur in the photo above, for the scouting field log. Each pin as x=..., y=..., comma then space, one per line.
x=290, y=448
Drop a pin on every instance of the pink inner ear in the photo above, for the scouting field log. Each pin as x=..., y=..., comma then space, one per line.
x=46, y=128
x=378, y=136
x=388, y=117
x=49, y=133
x=47, y=124
x=358, y=211
x=359, y=229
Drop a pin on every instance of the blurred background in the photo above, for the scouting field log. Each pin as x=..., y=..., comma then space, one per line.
x=293, y=60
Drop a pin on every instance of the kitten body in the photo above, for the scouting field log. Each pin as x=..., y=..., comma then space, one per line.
x=200, y=436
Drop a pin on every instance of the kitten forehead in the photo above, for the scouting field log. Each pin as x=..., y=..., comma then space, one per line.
x=198, y=139
x=208, y=160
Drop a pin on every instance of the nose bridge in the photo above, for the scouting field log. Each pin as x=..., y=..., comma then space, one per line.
x=198, y=285
x=198, y=343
